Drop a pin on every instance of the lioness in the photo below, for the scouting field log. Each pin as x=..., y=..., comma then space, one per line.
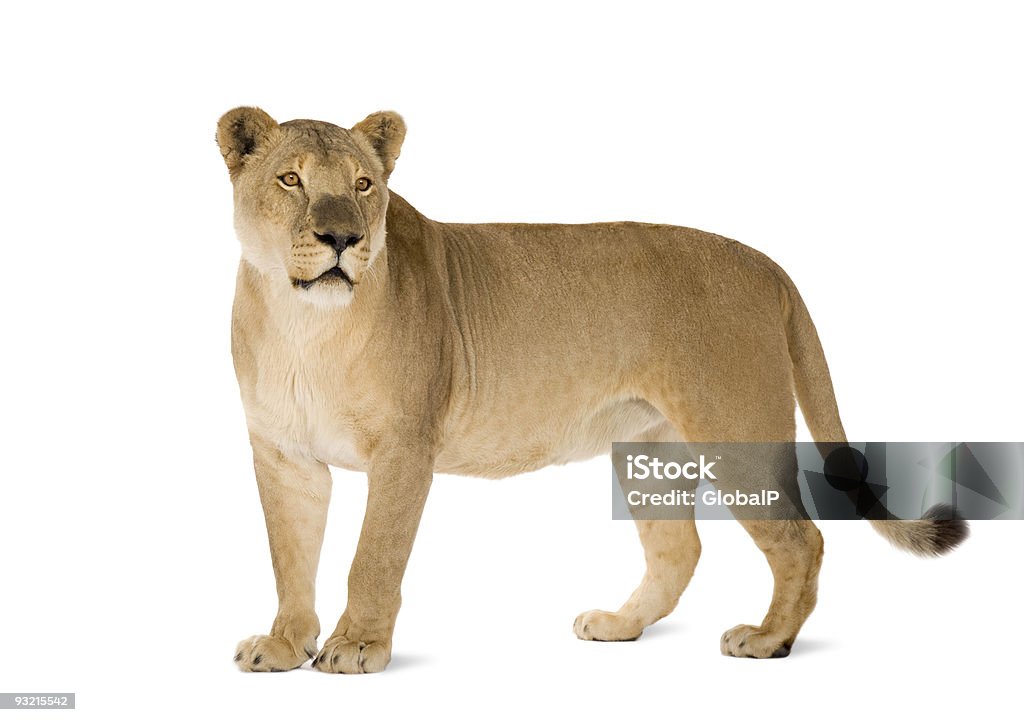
x=368, y=337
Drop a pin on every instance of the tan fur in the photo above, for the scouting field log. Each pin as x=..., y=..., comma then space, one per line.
x=487, y=350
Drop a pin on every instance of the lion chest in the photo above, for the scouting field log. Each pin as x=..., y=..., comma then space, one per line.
x=299, y=404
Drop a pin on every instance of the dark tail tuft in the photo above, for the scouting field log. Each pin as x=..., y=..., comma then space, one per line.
x=939, y=531
x=949, y=528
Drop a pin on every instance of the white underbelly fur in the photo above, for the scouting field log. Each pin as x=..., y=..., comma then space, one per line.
x=563, y=438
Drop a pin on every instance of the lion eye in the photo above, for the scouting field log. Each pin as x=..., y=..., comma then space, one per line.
x=289, y=179
x=363, y=184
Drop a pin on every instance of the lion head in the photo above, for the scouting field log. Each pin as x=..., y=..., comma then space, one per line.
x=310, y=197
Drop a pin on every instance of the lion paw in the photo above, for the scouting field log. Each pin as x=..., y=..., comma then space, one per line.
x=606, y=627
x=746, y=640
x=264, y=653
x=345, y=656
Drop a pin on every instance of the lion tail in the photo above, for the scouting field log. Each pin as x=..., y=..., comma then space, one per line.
x=939, y=531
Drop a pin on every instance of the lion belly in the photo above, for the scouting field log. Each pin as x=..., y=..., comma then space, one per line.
x=489, y=449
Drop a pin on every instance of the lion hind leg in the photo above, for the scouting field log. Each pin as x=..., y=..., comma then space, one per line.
x=794, y=550
x=671, y=548
x=761, y=412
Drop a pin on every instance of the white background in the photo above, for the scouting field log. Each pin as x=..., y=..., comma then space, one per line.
x=875, y=152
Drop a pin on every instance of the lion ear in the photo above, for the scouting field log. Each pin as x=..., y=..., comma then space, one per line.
x=241, y=132
x=385, y=130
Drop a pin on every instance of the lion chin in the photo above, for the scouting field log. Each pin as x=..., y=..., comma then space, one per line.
x=326, y=293
x=332, y=288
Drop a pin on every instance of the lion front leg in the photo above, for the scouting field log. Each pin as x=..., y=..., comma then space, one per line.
x=295, y=493
x=399, y=480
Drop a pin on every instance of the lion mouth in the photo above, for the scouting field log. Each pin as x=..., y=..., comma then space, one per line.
x=330, y=276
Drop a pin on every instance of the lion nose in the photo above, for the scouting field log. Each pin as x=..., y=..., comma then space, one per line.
x=338, y=240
